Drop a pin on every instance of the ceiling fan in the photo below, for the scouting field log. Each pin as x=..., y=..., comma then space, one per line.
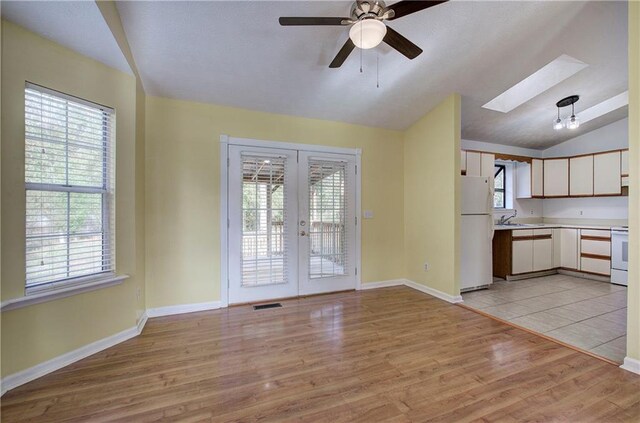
x=367, y=26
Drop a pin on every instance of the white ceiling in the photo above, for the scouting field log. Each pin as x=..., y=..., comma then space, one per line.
x=236, y=54
x=78, y=25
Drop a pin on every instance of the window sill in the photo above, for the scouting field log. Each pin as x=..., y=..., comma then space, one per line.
x=61, y=292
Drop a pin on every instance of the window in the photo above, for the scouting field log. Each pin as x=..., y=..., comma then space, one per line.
x=69, y=182
x=500, y=182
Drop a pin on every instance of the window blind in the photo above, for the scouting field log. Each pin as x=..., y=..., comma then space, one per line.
x=69, y=182
x=328, y=253
x=265, y=249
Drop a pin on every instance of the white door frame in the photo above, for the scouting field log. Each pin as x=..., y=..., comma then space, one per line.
x=225, y=141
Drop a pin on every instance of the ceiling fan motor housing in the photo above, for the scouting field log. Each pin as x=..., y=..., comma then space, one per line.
x=373, y=9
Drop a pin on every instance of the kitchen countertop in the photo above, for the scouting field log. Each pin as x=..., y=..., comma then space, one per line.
x=551, y=226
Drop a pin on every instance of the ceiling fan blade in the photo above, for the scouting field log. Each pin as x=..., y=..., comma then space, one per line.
x=400, y=43
x=407, y=7
x=342, y=55
x=311, y=21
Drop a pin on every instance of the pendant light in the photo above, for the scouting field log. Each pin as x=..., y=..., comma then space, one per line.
x=571, y=122
x=557, y=124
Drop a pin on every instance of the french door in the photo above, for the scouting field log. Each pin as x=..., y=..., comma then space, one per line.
x=292, y=223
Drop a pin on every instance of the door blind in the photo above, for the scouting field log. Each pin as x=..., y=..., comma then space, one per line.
x=328, y=252
x=69, y=181
x=264, y=221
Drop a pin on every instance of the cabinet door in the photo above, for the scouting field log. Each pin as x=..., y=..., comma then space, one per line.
x=606, y=173
x=542, y=249
x=569, y=248
x=581, y=176
x=557, y=247
x=537, y=180
x=487, y=164
x=625, y=163
x=463, y=162
x=556, y=177
x=521, y=251
x=523, y=180
x=474, y=164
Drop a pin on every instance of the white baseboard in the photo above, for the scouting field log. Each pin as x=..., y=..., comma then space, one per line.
x=183, y=308
x=39, y=370
x=631, y=364
x=382, y=284
x=434, y=292
x=142, y=321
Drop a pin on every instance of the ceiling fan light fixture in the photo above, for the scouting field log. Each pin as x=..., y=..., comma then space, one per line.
x=367, y=33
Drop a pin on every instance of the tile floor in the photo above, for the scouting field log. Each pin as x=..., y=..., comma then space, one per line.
x=587, y=314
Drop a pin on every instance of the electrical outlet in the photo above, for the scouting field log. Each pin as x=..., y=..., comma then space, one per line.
x=580, y=212
x=426, y=267
x=531, y=213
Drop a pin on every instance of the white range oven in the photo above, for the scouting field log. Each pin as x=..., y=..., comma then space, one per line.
x=619, y=255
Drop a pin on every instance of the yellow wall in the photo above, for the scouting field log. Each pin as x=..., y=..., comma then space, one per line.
x=39, y=332
x=633, y=310
x=432, y=198
x=182, y=196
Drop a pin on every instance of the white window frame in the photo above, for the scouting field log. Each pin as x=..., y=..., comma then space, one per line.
x=69, y=286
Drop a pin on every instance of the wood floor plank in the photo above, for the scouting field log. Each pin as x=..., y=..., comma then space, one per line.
x=383, y=355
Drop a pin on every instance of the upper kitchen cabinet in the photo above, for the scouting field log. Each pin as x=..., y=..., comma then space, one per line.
x=581, y=176
x=474, y=163
x=607, y=173
x=624, y=167
x=463, y=162
x=537, y=178
x=487, y=165
x=523, y=180
x=556, y=177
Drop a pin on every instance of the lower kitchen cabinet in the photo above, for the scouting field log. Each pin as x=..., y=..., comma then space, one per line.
x=521, y=252
x=595, y=252
x=568, y=248
x=531, y=250
x=542, y=249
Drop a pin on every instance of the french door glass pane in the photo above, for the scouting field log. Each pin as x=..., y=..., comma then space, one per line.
x=327, y=214
x=264, y=252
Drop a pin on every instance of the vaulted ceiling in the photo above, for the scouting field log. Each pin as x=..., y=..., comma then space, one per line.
x=236, y=54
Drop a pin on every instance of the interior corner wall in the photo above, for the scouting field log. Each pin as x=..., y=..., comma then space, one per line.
x=36, y=333
x=432, y=198
x=633, y=292
x=140, y=282
x=183, y=192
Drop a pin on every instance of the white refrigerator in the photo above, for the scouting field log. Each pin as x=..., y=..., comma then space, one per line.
x=476, y=229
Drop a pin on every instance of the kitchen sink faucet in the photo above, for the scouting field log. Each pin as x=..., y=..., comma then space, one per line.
x=504, y=220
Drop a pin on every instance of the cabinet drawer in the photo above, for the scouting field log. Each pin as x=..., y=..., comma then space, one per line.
x=601, y=248
x=522, y=233
x=591, y=265
x=598, y=233
x=541, y=232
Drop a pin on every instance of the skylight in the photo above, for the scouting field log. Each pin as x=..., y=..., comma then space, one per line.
x=605, y=107
x=538, y=82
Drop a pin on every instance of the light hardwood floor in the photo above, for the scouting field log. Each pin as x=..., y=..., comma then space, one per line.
x=384, y=355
